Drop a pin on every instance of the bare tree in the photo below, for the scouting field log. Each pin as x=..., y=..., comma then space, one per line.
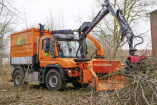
x=134, y=11
x=7, y=14
x=55, y=21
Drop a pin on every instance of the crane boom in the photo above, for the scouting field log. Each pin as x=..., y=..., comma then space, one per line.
x=121, y=21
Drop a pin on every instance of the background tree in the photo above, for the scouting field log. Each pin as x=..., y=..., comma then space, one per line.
x=135, y=12
x=7, y=19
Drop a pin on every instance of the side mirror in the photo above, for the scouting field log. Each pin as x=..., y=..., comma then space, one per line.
x=47, y=46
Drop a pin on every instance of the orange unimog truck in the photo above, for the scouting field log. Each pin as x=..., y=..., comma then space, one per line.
x=55, y=58
x=48, y=58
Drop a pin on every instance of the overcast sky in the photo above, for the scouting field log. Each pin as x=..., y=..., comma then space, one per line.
x=37, y=11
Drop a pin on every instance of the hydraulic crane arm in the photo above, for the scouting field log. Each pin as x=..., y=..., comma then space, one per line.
x=122, y=23
x=84, y=32
x=125, y=29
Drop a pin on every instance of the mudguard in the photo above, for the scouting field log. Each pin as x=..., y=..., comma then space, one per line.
x=57, y=67
x=19, y=68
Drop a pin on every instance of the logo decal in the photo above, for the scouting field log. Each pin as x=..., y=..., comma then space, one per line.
x=21, y=41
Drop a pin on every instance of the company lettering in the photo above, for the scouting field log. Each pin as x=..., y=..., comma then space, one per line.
x=102, y=64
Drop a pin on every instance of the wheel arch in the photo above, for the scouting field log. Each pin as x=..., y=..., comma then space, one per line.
x=19, y=68
x=59, y=68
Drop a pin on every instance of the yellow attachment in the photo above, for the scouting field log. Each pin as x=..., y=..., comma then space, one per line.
x=116, y=21
x=75, y=30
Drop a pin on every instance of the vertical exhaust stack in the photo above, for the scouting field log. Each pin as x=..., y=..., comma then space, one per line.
x=153, y=22
x=41, y=29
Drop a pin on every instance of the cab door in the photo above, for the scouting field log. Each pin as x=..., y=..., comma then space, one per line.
x=47, y=58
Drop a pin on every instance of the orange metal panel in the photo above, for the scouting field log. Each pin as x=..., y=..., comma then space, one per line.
x=104, y=66
x=97, y=44
x=114, y=83
x=87, y=76
x=101, y=66
x=24, y=43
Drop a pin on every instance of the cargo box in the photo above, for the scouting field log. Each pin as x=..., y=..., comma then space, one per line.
x=23, y=46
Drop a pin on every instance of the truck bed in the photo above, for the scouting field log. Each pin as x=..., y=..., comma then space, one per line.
x=23, y=46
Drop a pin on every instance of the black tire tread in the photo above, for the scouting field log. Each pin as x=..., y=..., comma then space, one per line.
x=60, y=83
x=22, y=76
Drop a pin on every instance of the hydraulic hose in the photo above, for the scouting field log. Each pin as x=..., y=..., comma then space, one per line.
x=140, y=42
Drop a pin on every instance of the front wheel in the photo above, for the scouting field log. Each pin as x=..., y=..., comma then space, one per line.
x=54, y=80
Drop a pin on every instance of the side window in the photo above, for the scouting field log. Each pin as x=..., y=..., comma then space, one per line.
x=52, y=47
x=43, y=44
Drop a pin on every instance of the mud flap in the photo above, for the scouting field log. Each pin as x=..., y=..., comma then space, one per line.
x=9, y=80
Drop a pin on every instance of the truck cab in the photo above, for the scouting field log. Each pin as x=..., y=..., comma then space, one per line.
x=56, y=48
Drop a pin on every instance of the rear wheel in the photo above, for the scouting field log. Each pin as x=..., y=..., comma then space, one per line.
x=18, y=77
x=54, y=80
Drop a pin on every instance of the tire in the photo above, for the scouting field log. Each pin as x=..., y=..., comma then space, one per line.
x=54, y=80
x=18, y=77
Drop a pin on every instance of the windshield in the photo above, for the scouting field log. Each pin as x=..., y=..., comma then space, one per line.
x=68, y=48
